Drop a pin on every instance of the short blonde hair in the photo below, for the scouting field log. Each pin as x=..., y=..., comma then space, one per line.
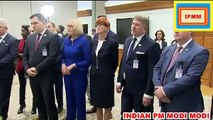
x=4, y=22
x=77, y=25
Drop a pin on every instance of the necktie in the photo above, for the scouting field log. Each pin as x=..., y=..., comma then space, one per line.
x=131, y=48
x=37, y=40
x=174, y=57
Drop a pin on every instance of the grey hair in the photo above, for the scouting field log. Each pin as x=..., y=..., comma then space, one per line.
x=4, y=22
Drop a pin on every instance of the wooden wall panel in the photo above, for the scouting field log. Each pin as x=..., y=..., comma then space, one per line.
x=139, y=6
x=84, y=13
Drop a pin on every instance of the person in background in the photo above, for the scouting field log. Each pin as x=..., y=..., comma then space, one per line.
x=20, y=69
x=140, y=54
x=58, y=81
x=76, y=59
x=93, y=32
x=104, y=64
x=160, y=39
x=8, y=54
x=173, y=42
x=177, y=75
x=40, y=53
x=60, y=30
x=31, y=30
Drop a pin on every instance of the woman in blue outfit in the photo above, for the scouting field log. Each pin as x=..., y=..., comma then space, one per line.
x=104, y=64
x=75, y=62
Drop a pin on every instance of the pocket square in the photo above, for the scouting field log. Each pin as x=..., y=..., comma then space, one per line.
x=137, y=52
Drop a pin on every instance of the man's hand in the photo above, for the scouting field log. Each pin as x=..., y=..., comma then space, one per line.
x=118, y=88
x=32, y=72
x=146, y=101
x=160, y=95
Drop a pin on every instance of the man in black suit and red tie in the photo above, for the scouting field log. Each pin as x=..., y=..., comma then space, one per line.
x=140, y=54
x=8, y=53
x=41, y=51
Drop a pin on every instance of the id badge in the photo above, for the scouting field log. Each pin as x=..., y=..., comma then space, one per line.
x=44, y=52
x=179, y=73
x=135, y=63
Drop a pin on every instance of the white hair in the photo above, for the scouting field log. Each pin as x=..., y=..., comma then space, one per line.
x=4, y=22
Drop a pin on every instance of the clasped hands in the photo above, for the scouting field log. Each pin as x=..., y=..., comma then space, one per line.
x=66, y=70
x=160, y=94
x=32, y=72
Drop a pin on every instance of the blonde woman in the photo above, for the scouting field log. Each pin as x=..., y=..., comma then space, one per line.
x=76, y=59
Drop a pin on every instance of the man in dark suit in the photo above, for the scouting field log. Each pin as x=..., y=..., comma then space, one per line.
x=8, y=53
x=58, y=81
x=177, y=75
x=41, y=51
x=140, y=54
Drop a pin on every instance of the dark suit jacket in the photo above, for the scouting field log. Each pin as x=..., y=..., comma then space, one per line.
x=139, y=81
x=184, y=93
x=107, y=59
x=110, y=34
x=43, y=64
x=163, y=44
x=8, y=53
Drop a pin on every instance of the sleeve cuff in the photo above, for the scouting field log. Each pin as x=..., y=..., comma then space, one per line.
x=148, y=96
x=163, y=92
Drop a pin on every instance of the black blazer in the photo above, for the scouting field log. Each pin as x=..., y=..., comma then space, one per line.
x=8, y=53
x=139, y=81
x=106, y=62
x=163, y=44
x=43, y=64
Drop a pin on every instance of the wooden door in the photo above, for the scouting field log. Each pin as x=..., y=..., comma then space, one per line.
x=206, y=40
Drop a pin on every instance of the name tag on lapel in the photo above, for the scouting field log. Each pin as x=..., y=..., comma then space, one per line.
x=135, y=63
x=44, y=52
x=179, y=73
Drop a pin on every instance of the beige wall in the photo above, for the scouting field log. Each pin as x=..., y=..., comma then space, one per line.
x=18, y=13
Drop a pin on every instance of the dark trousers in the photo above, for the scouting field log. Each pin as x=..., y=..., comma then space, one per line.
x=59, y=88
x=22, y=88
x=5, y=86
x=43, y=93
x=130, y=102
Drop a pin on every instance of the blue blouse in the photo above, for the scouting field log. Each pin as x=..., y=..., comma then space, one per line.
x=77, y=51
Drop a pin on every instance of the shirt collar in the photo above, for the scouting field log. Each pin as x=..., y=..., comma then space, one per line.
x=43, y=31
x=185, y=44
x=139, y=37
x=3, y=36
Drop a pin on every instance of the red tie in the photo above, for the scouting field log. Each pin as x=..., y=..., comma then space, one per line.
x=37, y=40
x=174, y=57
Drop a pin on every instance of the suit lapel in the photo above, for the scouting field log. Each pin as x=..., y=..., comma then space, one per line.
x=42, y=40
x=126, y=48
x=142, y=42
x=185, y=50
x=170, y=54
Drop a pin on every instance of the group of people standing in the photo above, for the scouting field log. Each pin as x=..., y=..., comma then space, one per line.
x=148, y=68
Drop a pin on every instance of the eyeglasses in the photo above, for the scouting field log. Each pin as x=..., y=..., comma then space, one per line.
x=99, y=25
